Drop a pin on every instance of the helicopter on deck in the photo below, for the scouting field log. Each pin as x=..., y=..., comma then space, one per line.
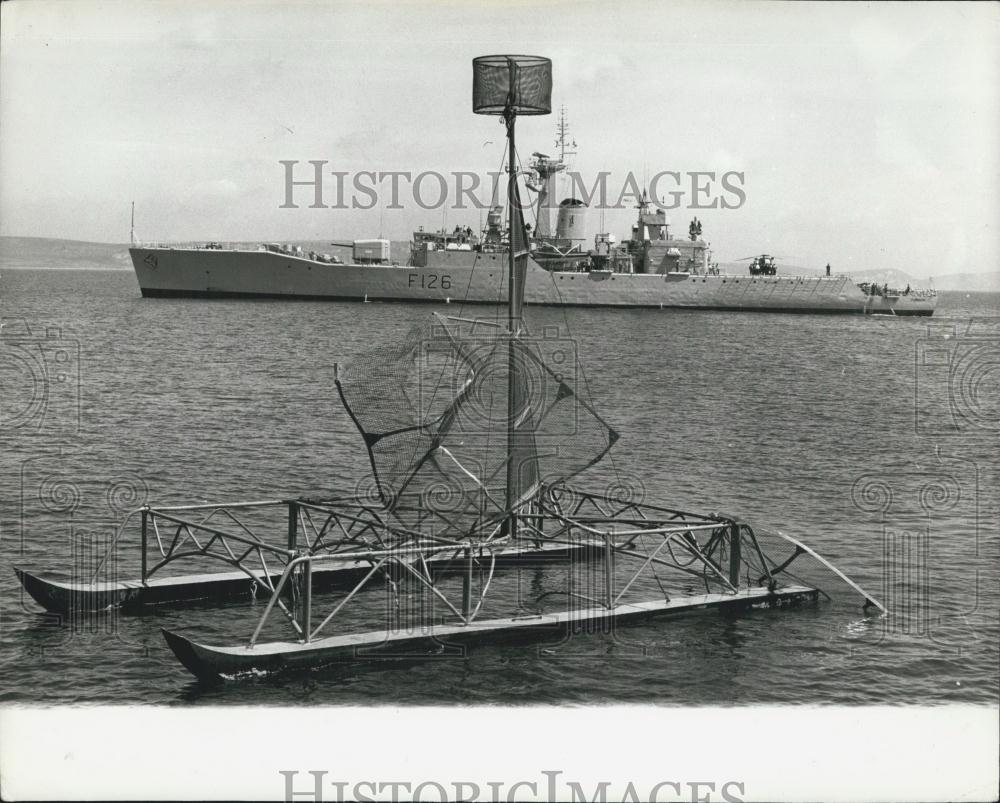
x=762, y=265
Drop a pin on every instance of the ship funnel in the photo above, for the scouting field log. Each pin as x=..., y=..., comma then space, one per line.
x=572, y=218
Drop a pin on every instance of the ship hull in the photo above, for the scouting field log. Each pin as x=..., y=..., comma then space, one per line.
x=481, y=279
x=893, y=304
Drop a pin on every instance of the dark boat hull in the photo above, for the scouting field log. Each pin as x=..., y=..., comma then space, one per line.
x=62, y=597
x=213, y=664
x=65, y=598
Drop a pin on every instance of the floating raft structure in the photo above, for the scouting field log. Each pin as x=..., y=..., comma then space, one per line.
x=698, y=564
x=475, y=442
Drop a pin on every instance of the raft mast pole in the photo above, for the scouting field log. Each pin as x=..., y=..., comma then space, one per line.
x=514, y=296
x=508, y=86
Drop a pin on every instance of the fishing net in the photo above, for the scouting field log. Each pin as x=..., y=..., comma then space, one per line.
x=444, y=439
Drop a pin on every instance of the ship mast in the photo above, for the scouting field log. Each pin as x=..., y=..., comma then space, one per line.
x=563, y=138
x=131, y=232
x=547, y=168
x=564, y=141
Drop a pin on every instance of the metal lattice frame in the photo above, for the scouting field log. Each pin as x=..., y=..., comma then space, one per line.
x=718, y=551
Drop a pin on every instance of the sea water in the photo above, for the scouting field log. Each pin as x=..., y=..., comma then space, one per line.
x=872, y=439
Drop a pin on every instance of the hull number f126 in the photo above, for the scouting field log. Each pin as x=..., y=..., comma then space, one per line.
x=429, y=281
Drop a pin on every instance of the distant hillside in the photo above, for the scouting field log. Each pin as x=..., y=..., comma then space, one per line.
x=969, y=282
x=42, y=252
x=45, y=252
x=889, y=276
x=965, y=282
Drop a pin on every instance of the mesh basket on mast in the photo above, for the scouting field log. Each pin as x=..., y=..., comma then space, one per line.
x=517, y=84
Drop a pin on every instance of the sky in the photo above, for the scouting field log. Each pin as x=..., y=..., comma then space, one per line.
x=866, y=134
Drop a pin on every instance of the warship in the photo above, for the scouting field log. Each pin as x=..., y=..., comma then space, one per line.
x=650, y=268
